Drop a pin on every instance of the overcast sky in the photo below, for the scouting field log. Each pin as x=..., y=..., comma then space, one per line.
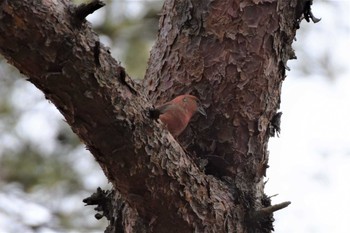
x=310, y=162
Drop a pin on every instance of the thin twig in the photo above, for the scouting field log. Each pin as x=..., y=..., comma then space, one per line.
x=85, y=9
x=263, y=212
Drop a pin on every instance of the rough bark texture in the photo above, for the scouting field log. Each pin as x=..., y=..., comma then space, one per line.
x=231, y=54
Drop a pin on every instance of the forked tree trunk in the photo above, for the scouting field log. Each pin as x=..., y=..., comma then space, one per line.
x=231, y=54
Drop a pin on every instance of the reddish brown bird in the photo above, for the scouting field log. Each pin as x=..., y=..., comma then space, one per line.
x=177, y=113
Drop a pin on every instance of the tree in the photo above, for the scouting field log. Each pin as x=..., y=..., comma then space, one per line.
x=230, y=54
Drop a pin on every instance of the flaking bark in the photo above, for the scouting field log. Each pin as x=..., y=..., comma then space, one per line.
x=232, y=55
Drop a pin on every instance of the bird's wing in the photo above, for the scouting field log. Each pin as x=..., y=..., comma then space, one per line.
x=157, y=111
x=163, y=108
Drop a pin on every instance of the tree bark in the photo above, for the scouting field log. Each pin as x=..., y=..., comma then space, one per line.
x=230, y=54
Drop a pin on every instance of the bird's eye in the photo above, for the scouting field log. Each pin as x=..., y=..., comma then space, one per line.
x=184, y=99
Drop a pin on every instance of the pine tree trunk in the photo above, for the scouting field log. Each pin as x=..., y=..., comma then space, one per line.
x=230, y=54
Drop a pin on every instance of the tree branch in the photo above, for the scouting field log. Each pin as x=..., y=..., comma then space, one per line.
x=85, y=9
x=264, y=212
x=237, y=76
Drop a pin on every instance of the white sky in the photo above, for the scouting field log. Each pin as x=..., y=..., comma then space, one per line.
x=310, y=162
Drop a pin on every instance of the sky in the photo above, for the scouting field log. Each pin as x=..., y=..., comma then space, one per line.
x=310, y=161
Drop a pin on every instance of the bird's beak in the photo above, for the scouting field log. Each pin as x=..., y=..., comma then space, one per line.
x=201, y=110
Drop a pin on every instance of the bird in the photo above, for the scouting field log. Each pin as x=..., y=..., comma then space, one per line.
x=177, y=113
